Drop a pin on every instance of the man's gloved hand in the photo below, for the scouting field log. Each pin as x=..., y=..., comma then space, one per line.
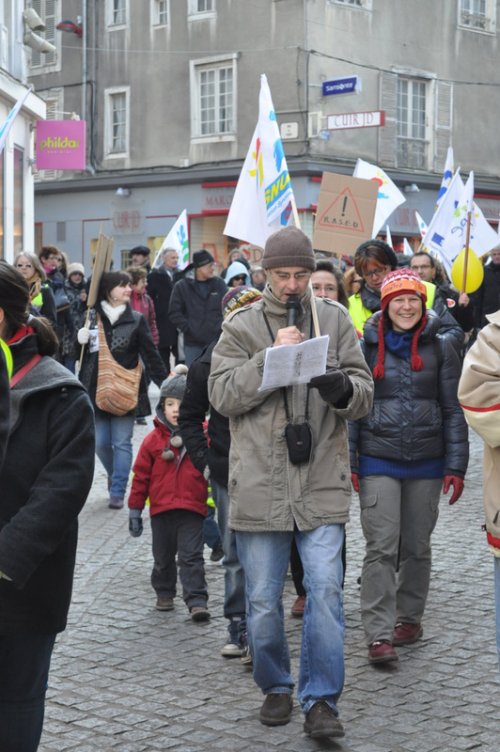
x=83, y=335
x=335, y=386
x=355, y=481
x=458, y=486
x=135, y=523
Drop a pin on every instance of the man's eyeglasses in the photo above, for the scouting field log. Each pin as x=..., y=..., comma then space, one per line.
x=240, y=278
x=376, y=272
x=286, y=276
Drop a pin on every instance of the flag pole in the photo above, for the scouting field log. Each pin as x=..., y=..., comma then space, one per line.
x=466, y=257
x=314, y=312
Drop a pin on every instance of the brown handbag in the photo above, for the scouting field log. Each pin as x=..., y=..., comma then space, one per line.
x=117, y=387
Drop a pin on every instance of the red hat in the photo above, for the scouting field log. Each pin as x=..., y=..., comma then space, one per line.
x=402, y=281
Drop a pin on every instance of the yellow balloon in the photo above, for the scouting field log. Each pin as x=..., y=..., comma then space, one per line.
x=475, y=271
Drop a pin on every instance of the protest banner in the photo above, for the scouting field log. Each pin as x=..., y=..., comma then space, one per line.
x=344, y=217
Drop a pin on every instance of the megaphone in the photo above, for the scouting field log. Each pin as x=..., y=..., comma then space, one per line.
x=37, y=42
x=33, y=20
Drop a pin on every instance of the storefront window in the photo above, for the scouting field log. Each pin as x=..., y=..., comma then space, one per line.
x=18, y=199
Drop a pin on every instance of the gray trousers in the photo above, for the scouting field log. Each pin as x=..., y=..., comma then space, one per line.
x=394, y=511
x=179, y=532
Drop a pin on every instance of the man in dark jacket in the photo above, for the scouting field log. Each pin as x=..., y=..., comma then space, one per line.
x=195, y=305
x=487, y=298
x=160, y=285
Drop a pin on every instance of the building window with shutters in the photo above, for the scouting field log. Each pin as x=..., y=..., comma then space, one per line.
x=160, y=12
x=49, y=11
x=18, y=198
x=477, y=15
x=116, y=122
x=54, y=101
x=116, y=12
x=201, y=8
x=412, y=142
x=213, y=98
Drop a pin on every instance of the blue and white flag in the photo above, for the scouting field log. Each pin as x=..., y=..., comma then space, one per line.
x=389, y=196
x=178, y=239
x=447, y=175
x=422, y=226
x=446, y=235
x=262, y=199
x=7, y=124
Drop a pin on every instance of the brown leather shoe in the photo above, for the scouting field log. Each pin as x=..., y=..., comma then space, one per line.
x=164, y=604
x=382, y=651
x=322, y=721
x=199, y=613
x=276, y=709
x=297, y=610
x=406, y=633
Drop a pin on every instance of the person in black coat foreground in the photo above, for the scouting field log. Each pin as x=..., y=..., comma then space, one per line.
x=45, y=479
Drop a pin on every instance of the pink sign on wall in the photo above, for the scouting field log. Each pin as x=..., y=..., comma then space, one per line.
x=60, y=144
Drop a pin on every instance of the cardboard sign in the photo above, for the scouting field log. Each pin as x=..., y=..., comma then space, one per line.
x=344, y=217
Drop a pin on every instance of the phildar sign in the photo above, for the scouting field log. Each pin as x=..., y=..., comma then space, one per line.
x=344, y=217
x=60, y=144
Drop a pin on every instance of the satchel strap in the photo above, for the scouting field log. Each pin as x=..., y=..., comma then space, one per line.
x=24, y=370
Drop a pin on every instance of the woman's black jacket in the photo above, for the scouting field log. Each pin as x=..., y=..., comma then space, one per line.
x=415, y=414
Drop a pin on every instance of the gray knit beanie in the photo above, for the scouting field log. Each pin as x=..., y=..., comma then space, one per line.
x=175, y=384
x=288, y=247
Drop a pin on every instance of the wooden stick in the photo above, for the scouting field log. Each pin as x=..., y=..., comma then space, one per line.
x=314, y=312
x=466, y=257
x=102, y=261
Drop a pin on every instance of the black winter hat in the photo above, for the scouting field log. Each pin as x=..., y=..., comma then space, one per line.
x=142, y=249
x=201, y=258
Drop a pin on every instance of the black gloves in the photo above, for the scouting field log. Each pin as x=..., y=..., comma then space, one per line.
x=335, y=386
x=135, y=523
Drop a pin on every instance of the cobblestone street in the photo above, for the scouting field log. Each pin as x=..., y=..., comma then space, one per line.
x=126, y=677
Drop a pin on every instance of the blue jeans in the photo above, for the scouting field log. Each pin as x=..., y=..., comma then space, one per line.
x=497, y=602
x=234, y=579
x=191, y=352
x=113, y=436
x=211, y=534
x=265, y=557
x=24, y=670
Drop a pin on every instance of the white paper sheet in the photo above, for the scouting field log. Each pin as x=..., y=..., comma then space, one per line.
x=294, y=364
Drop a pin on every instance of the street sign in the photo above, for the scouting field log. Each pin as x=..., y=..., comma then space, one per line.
x=355, y=120
x=348, y=85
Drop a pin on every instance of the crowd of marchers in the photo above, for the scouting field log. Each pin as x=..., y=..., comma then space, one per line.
x=263, y=477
